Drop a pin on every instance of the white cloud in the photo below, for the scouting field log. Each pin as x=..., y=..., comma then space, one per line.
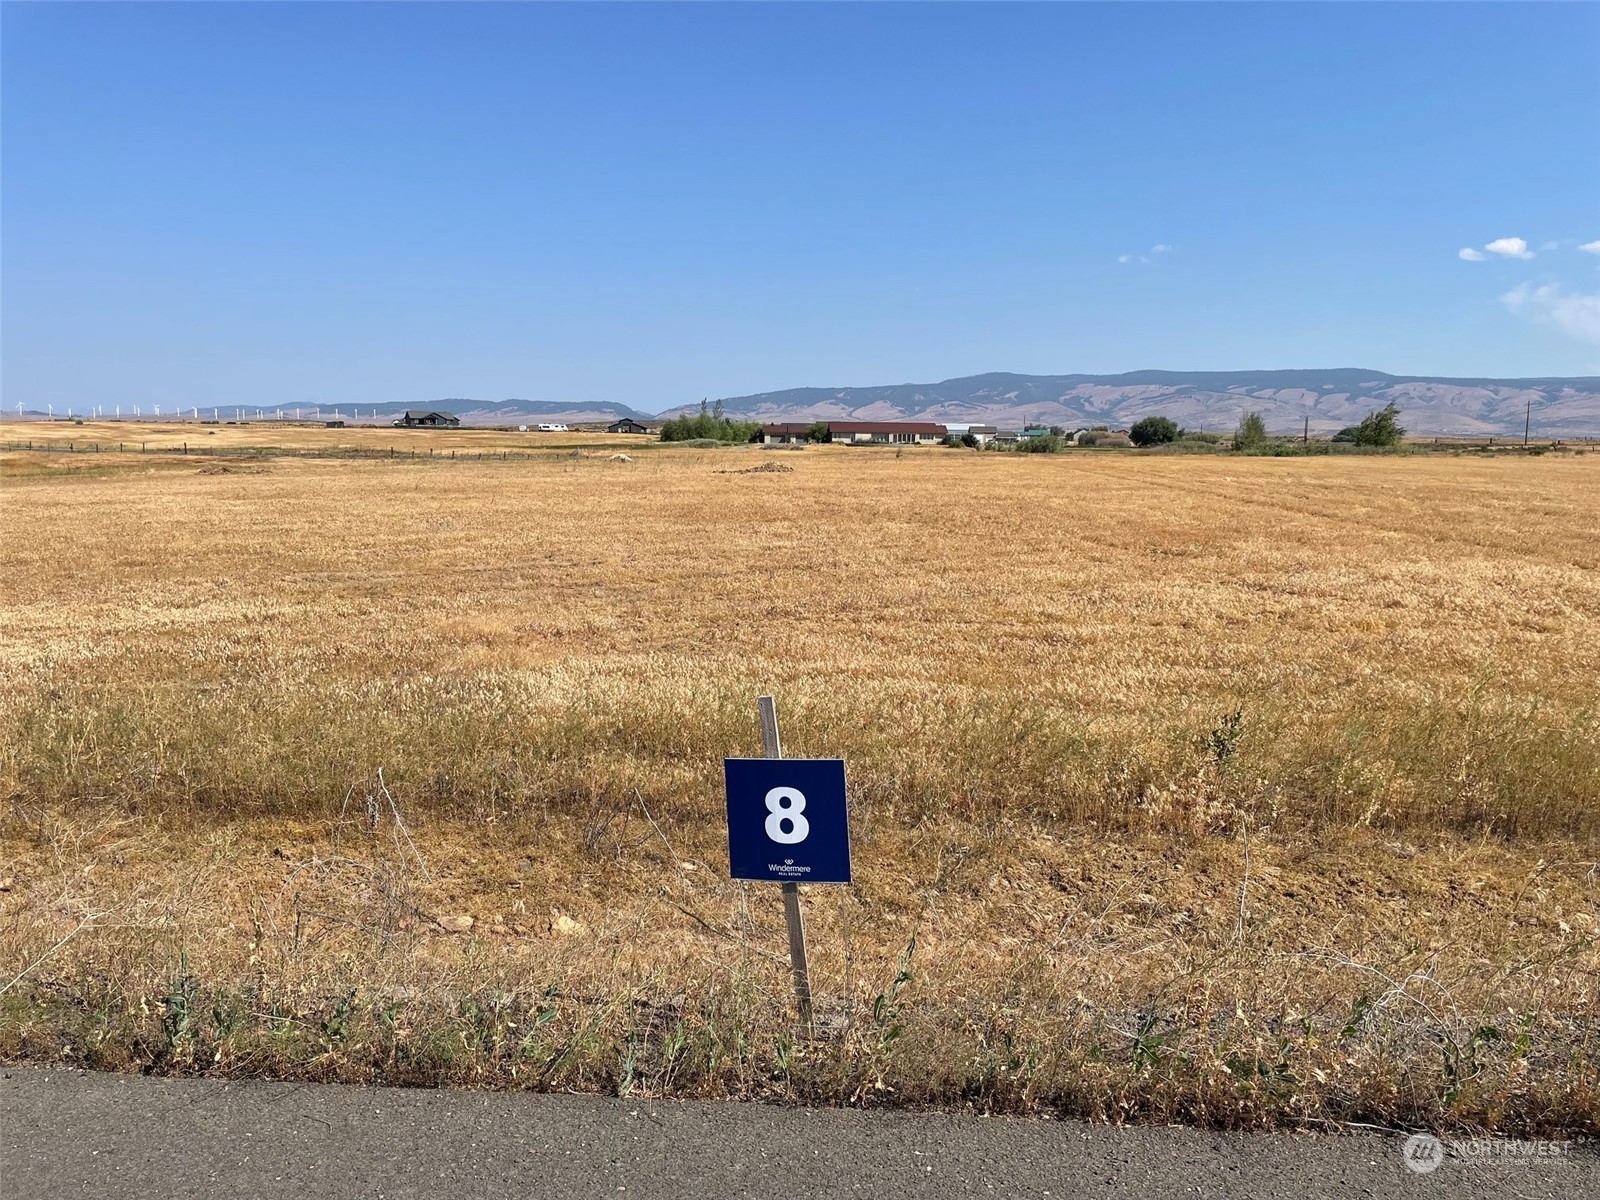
x=1591, y=247
x=1511, y=247
x=1161, y=248
x=1576, y=314
x=1471, y=255
x=1124, y=258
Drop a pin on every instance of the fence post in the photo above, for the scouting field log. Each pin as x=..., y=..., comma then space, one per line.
x=772, y=747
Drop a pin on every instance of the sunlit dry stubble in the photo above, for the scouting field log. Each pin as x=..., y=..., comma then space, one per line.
x=1084, y=883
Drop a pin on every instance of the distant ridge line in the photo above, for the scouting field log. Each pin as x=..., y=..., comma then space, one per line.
x=1289, y=400
x=1323, y=400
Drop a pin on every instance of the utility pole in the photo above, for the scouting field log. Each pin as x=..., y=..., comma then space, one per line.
x=1527, y=421
x=1305, y=438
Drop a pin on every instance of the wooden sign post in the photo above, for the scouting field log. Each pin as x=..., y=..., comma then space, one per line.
x=788, y=823
x=772, y=747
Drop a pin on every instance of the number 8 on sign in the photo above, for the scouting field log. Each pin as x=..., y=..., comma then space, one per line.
x=787, y=804
x=787, y=820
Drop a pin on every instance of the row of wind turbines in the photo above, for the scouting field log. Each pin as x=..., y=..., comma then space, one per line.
x=98, y=412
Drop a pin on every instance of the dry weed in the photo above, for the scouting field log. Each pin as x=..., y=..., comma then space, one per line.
x=1237, y=791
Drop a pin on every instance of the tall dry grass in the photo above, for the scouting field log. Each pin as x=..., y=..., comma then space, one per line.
x=1370, y=895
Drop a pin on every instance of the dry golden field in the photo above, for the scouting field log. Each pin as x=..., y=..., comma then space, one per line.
x=300, y=437
x=1083, y=885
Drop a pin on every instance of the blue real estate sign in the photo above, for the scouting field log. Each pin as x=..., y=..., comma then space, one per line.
x=787, y=820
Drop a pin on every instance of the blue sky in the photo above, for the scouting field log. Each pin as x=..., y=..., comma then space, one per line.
x=290, y=204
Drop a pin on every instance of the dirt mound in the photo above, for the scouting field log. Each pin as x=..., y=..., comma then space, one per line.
x=766, y=468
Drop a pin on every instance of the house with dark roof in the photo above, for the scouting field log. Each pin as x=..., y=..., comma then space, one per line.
x=923, y=433
x=418, y=419
x=859, y=433
x=626, y=425
x=782, y=433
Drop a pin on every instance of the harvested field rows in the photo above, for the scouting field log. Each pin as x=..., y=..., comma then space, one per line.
x=1247, y=791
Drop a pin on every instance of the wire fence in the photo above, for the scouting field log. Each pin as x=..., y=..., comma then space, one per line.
x=545, y=454
x=383, y=453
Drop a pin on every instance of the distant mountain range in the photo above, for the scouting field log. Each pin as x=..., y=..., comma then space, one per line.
x=1214, y=400
x=1203, y=400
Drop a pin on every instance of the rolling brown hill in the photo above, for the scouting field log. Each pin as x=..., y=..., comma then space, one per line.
x=1328, y=399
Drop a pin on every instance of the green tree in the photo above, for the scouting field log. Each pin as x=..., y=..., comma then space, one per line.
x=1047, y=443
x=818, y=431
x=707, y=426
x=1154, y=431
x=1251, y=434
x=1380, y=428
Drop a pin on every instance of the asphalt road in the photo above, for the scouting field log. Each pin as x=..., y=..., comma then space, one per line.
x=70, y=1133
